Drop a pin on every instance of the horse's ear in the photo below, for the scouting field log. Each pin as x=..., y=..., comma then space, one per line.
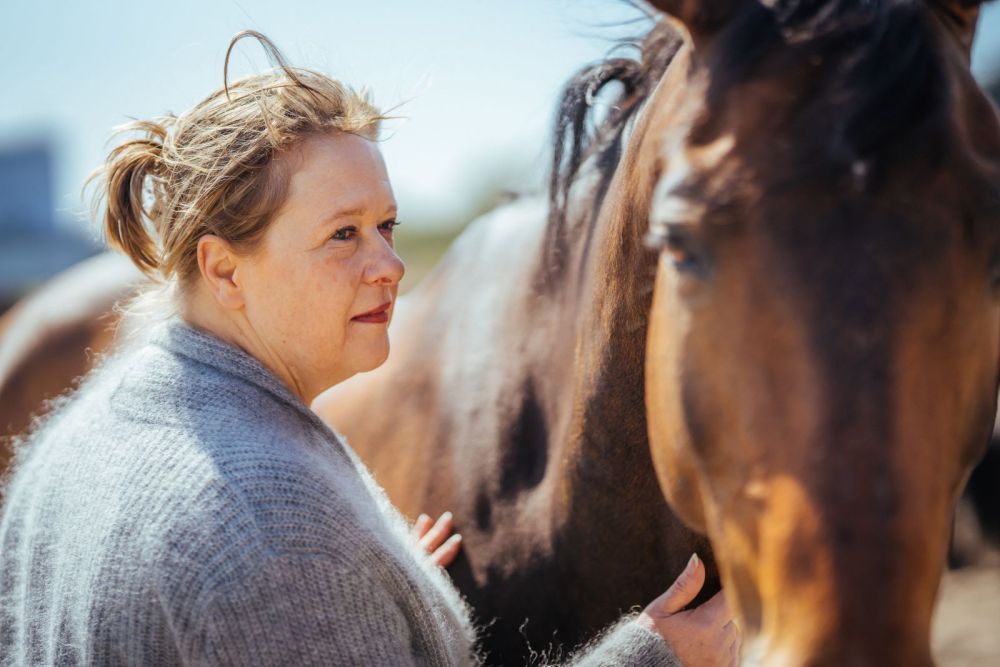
x=961, y=16
x=698, y=16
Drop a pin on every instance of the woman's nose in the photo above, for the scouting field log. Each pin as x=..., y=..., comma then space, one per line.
x=385, y=267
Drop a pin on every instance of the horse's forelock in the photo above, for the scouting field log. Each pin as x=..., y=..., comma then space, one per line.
x=881, y=84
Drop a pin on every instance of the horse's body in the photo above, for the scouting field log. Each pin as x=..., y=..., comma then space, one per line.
x=514, y=397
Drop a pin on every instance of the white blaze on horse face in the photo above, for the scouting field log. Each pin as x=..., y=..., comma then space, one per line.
x=670, y=204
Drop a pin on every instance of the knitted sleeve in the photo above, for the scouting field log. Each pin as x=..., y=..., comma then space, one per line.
x=298, y=610
x=627, y=644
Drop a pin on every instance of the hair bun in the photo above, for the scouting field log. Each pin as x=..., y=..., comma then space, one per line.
x=133, y=173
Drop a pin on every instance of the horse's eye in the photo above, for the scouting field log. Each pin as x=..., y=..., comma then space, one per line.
x=682, y=245
x=678, y=245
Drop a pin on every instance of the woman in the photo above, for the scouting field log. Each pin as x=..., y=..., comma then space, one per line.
x=185, y=506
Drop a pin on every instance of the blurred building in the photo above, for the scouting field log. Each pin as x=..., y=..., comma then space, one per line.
x=33, y=246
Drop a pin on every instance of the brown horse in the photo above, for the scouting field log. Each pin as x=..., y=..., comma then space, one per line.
x=824, y=344
x=55, y=335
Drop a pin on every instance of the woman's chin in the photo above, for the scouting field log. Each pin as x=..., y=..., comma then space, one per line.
x=372, y=358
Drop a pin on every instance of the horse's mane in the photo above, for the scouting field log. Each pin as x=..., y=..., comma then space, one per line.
x=581, y=138
x=879, y=78
x=578, y=138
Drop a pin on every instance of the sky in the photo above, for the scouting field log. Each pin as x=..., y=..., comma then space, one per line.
x=477, y=80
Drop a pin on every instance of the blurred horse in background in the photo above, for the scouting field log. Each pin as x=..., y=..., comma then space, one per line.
x=55, y=335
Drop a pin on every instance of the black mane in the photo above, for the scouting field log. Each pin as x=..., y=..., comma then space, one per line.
x=878, y=83
x=577, y=139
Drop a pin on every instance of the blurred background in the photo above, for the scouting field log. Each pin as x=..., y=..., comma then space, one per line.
x=474, y=84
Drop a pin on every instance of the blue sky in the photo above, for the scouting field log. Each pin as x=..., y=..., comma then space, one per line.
x=479, y=77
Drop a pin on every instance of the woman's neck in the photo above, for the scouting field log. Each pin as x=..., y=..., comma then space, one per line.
x=200, y=311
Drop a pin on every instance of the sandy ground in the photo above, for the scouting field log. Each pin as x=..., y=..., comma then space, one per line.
x=966, y=630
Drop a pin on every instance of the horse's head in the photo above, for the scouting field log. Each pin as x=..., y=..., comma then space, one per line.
x=823, y=349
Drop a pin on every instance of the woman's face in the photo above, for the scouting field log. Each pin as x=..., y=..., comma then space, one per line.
x=320, y=288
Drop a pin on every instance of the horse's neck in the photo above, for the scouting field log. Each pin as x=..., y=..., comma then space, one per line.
x=617, y=296
x=606, y=439
x=618, y=270
x=606, y=474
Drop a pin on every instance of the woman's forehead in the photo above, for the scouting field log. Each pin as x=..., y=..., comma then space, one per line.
x=343, y=175
x=338, y=157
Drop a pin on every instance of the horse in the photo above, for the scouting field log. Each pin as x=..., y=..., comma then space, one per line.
x=802, y=147
x=824, y=342
x=55, y=335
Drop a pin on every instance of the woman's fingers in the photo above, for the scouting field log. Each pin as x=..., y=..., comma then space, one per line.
x=705, y=635
x=421, y=526
x=716, y=612
x=446, y=553
x=435, y=536
x=683, y=591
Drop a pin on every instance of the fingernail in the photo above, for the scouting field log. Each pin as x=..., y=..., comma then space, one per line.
x=456, y=538
x=693, y=562
x=446, y=516
x=422, y=517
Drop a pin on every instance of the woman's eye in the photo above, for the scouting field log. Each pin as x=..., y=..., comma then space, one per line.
x=389, y=225
x=344, y=234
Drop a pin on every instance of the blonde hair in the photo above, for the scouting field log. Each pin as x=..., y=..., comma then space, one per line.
x=212, y=170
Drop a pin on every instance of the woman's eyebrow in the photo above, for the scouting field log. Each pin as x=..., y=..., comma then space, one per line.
x=354, y=212
x=348, y=212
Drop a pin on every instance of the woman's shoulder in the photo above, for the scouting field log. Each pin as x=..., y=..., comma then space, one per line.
x=207, y=463
x=230, y=501
x=217, y=455
x=155, y=385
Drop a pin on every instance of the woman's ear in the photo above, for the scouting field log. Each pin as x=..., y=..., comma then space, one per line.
x=218, y=264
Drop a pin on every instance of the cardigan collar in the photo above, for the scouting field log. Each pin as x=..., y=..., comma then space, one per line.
x=181, y=338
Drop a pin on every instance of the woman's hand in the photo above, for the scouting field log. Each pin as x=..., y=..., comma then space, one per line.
x=702, y=637
x=433, y=538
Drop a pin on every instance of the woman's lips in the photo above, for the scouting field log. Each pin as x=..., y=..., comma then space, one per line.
x=379, y=315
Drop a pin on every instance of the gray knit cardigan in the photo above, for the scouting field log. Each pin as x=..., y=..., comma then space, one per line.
x=184, y=507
